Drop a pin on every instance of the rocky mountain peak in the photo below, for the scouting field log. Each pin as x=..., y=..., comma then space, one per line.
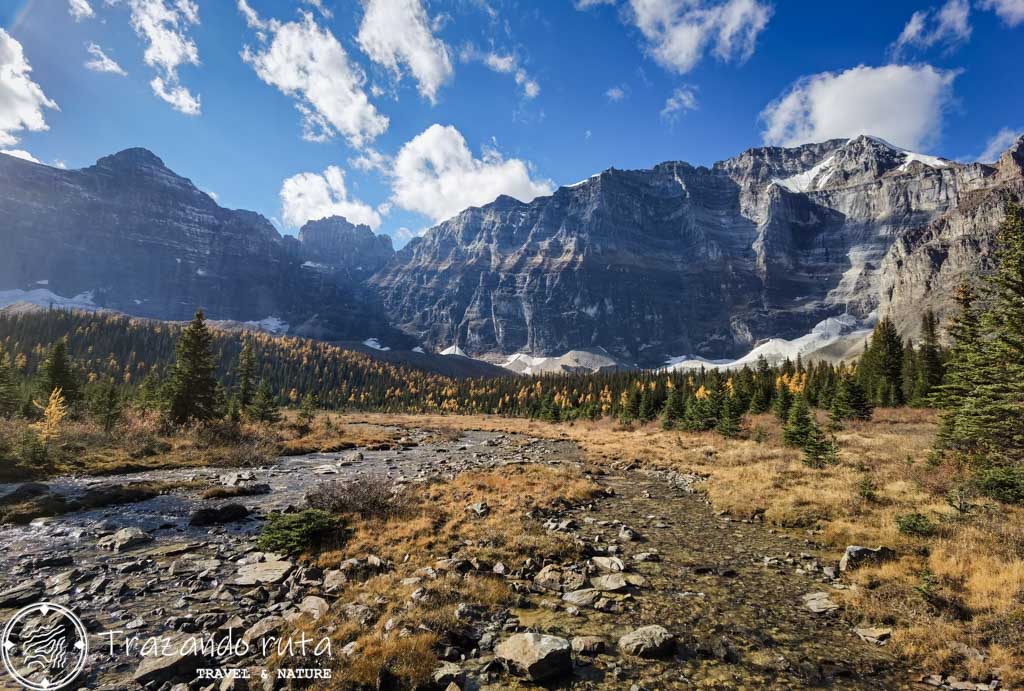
x=1011, y=163
x=336, y=243
x=132, y=159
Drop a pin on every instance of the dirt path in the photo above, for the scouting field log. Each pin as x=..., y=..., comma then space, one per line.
x=741, y=623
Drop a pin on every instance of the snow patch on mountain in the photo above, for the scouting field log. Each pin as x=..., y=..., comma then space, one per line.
x=775, y=350
x=375, y=344
x=43, y=297
x=273, y=325
x=454, y=350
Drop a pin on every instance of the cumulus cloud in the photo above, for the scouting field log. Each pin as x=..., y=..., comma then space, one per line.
x=503, y=63
x=80, y=9
x=680, y=32
x=164, y=26
x=948, y=25
x=399, y=32
x=615, y=94
x=20, y=153
x=1010, y=11
x=21, y=100
x=998, y=143
x=308, y=63
x=682, y=99
x=101, y=62
x=436, y=174
x=903, y=104
x=311, y=196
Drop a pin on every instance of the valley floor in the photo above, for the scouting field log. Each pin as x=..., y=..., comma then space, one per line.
x=584, y=532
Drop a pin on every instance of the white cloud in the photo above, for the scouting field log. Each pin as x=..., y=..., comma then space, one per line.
x=615, y=93
x=587, y=4
x=437, y=175
x=101, y=62
x=370, y=160
x=20, y=153
x=164, y=26
x=682, y=99
x=1000, y=142
x=396, y=32
x=404, y=235
x=1010, y=11
x=58, y=163
x=21, y=100
x=311, y=196
x=903, y=104
x=80, y=9
x=309, y=64
x=950, y=25
x=503, y=64
x=679, y=32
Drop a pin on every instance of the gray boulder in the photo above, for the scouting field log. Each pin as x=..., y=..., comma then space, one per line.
x=535, y=656
x=648, y=641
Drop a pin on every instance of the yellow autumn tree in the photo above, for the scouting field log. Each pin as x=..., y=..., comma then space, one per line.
x=53, y=415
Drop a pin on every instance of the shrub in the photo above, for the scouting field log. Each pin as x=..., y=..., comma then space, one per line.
x=296, y=532
x=1005, y=483
x=365, y=497
x=915, y=524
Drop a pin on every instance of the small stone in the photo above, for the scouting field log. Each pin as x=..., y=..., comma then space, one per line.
x=609, y=583
x=272, y=572
x=819, y=602
x=589, y=645
x=315, y=607
x=125, y=539
x=535, y=656
x=648, y=642
x=873, y=634
x=262, y=630
x=857, y=556
x=582, y=598
x=608, y=564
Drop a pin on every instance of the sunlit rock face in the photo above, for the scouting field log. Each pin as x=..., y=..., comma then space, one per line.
x=679, y=259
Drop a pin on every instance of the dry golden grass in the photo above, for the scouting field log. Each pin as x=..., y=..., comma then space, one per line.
x=955, y=598
x=405, y=636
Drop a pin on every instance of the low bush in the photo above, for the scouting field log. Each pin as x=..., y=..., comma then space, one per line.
x=915, y=524
x=292, y=533
x=365, y=497
x=1005, y=483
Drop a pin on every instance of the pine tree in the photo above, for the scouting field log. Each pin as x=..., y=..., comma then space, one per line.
x=307, y=411
x=246, y=376
x=648, y=405
x=910, y=374
x=929, y=357
x=730, y=417
x=264, y=406
x=57, y=372
x=783, y=401
x=962, y=372
x=8, y=388
x=192, y=389
x=800, y=425
x=986, y=418
x=106, y=406
x=849, y=401
x=675, y=408
x=880, y=368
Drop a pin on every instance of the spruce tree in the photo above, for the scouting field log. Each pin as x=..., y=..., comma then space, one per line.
x=246, y=375
x=648, y=405
x=730, y=416
x=57, y=372
x=849, y=402
x=783, y=401
x=106, y=406
x=800, y=425
x=675, y=408
x=962, y=371
x=192, y=392
x=8, y=388
x=929, y=357
x=264, y=407
x=881, y=367
x=307, y=411
x=986, y=419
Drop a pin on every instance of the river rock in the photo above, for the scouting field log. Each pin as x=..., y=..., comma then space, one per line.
x=857, y=556
x=535, y=656
x=257, y=573
x=589, y=645
x=554, y=577
x=608, y=564
x=21, y=594
x=585, y=597
x=648, y=641
x=178, y=666
x=125, y=539
x=218, y=515
x=609, y=583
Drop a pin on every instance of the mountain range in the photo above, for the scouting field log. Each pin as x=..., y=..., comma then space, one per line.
x=638, y=266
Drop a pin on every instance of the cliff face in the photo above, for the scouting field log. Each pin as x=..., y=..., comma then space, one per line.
x=145, y=241
x=678, y=259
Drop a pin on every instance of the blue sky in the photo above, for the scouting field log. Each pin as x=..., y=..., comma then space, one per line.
x=399, y=113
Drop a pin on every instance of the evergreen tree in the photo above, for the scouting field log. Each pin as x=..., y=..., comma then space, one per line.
x=192, y=390
x=264, y=406
x=307, y=411
x=910, y=374
x=57, y=372
x=730, y=417
x=929, y=357
x=880, y=371
x=675, y=408
x=246, y=376
x=800, y=425
x=8, y=388
x=106, y=406
x=849, y=401
x=783, y=401
x=648, y=405
x=986, y=419
x=963, y=368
